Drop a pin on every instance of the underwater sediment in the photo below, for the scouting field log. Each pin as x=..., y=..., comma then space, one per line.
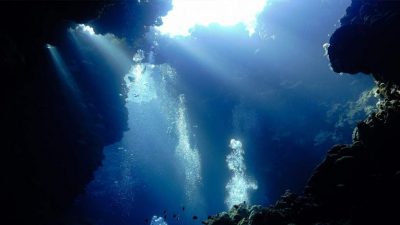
x=356, y=183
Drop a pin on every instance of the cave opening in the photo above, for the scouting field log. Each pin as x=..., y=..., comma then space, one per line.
x=170, y=111
x=195, y=88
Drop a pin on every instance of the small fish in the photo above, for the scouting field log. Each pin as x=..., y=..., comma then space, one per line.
x=183, y=208
x=165, y=216
x=174, y=215
x=165, y=211
x=146, y=220
x=195, y=217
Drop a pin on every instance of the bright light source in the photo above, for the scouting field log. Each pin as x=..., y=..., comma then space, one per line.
x=188, y=13
x=86, y=29
x=49, y=46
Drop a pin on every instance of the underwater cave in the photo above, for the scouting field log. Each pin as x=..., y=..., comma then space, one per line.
x=215, y=112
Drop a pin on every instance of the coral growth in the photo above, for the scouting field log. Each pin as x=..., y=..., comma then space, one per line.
x=367, y=41
x=356, y=183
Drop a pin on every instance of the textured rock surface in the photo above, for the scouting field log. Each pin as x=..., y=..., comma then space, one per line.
x=357, y=183
x=367, y=41
x=53, y=142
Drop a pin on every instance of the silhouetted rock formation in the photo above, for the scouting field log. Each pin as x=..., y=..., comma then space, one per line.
x=368, y=40
x=54, y=142
x=357, y=183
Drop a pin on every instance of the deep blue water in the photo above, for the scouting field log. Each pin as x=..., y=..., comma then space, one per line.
x=273, y=91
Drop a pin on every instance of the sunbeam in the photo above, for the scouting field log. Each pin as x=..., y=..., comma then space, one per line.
x=187, y=14
x=63, y=72
x=108, y=45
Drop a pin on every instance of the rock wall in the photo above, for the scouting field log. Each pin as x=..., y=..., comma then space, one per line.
x=54, y=143
x=357, y=183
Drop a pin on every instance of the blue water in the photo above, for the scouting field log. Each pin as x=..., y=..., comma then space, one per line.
x=273, y=92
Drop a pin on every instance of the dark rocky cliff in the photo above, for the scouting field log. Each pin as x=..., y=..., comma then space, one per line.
x=357, y=183
x=53, y=142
